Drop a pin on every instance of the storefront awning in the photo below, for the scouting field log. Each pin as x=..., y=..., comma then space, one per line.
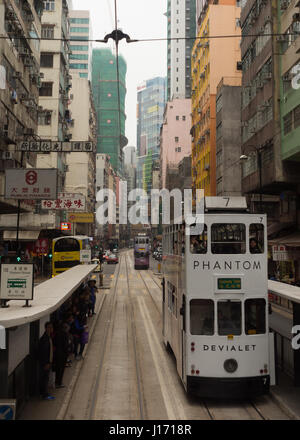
x=292, y=240
x=23, y=235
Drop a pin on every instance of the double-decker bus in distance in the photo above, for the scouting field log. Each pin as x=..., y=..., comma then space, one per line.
x=66, y=252
x=215, y=301
x=141, y=251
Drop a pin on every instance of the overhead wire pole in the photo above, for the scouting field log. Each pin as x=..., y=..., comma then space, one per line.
x=118, y=78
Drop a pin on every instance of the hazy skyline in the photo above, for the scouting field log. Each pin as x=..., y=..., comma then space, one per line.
x=139, y=19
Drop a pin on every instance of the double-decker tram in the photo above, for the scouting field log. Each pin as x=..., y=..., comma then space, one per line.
x=215, y=314
x=66, y=252
x=141, y=251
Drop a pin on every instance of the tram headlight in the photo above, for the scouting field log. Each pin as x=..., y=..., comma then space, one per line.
x=230, y=365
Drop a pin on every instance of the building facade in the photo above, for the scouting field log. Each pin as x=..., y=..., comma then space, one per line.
x=212, y=59
x=181, y=31
x=175, y=137
x=151, y=99
x=110, y=111
x=80, y=46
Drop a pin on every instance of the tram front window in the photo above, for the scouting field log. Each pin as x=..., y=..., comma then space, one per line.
x=201, y=317
x=229, y=317
x=228, y=238
x=255, y=316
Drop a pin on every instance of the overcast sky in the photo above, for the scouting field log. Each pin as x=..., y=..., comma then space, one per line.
x=139, y=19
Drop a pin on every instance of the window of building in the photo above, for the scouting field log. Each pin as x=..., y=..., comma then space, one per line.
x=79, y=47
x=183, y=118
x=49, y=5
x=79, y=66
x=202, y=317
x=77, y=56
x=47, y=31
x=46, y=89
x=177, y=118
x=287, y=123
x=79, y=38
x=46, y=59
x=296, y=116
x=80, y=20
x=176, y=138
x=83, y=75
x=83, y=30
x=44, y=118
x=177, y=149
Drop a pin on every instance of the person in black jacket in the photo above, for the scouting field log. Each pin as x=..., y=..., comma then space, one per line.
x=45, y=360
x=61, y=345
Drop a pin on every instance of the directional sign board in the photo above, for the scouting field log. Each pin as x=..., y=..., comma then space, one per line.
x=7, y=409
x=16, y=281
x=31, y=183
x=49, y=146
x=66, y=201
x=85, y=256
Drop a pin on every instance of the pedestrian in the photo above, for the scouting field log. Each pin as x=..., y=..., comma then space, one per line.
x=93, y=289
x=61, y=344
x=254, y=248
x=45, y=360
x=78, y=327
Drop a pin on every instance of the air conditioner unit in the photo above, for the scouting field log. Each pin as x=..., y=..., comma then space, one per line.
x=7, y=155
x=42, y=75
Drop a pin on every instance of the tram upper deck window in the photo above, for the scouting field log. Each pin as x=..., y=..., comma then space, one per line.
x=256, y=240
x=228, y=238
x=198, y=242
x=202, y=317
x=229, y=317
x=255, y=316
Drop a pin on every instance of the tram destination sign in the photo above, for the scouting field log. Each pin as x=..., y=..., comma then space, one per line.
x=50, y=146
x=229, y=283
x=16, y=281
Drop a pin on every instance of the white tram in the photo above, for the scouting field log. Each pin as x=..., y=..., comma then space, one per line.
x=215, y=313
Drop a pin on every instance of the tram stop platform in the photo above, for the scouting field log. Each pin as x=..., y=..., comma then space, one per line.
x=287, y=396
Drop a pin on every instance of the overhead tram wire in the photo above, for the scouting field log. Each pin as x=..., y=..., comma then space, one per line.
x=142, y=40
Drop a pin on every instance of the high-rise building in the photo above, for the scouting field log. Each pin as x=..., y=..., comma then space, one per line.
x=129, y=155
x=151, y=99
x=181, y=15
x=81, y=48
x=109, y=97
x=212, y=59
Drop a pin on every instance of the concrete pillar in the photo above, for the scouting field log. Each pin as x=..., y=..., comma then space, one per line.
x=296, y=321
x=4, y=370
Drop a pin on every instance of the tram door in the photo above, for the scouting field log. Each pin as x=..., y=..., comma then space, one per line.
x=183, y=339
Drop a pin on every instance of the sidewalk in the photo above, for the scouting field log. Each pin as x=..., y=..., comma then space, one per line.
x=287, y=396
x=38, y=409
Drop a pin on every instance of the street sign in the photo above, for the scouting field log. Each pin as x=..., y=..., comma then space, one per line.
x=280, y=253
x=16, y=281
x=66, y=201
x=7, y=409
x=30, y=183
x=85, y=256
x=65, y=226
x=56, y=146
x=81, y=217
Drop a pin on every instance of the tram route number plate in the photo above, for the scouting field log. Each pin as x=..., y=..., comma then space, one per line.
x=229, y=283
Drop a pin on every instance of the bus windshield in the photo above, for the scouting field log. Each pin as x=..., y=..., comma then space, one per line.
x=67, y=245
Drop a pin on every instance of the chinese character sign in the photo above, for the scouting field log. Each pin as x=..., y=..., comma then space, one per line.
x=66, y=201
x=31, y=184
x=41, y=246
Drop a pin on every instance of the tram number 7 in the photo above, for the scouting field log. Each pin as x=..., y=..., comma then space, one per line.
x=227, y=200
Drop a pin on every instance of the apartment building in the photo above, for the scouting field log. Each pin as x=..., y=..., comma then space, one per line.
x=212, y=59
x=19, y=107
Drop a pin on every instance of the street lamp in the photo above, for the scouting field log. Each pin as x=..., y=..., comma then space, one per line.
x=244, y=158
